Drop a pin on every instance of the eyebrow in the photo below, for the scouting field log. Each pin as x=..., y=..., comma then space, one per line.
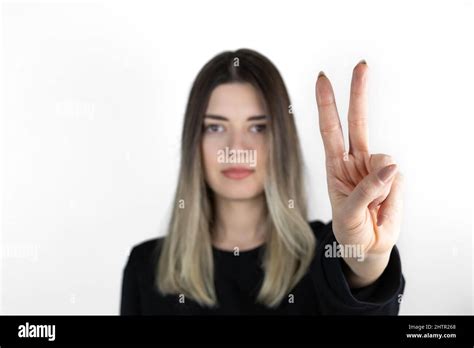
x=222, y=118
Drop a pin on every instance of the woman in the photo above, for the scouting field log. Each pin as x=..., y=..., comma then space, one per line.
x=238, y=240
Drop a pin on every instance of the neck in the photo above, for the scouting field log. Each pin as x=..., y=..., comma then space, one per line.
x=239, y=223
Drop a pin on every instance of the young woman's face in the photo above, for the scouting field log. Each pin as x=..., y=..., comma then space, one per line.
x=234, y=144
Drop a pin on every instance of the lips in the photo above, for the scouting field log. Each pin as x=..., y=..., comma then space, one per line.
x=237, y=173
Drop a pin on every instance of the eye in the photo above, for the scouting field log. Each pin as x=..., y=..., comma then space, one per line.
x=213, y=128
x=258, y=128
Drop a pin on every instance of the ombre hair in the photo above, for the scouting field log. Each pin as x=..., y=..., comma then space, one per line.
x=185, y=265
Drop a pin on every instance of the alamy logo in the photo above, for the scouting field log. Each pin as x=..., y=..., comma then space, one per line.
x=237, y=156
x=349, y=250
x=42, y=331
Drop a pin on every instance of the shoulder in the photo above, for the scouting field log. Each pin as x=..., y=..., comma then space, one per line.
x=320, y=229
x=146, y=252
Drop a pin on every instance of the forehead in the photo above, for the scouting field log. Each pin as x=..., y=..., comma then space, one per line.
x=236, y=99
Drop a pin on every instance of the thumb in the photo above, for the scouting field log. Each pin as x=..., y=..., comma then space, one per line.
x=369, y=189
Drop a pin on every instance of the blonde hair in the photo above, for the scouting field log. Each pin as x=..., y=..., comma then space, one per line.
x=185, y=265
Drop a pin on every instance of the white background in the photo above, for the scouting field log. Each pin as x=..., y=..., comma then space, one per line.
x=93, y=98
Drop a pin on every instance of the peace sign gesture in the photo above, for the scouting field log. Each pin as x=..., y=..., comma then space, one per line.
x=364, y=189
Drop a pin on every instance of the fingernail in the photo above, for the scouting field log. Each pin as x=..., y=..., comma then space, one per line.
x=362, y=62
x=381, y=219
x=387, y=172
x=321, y=73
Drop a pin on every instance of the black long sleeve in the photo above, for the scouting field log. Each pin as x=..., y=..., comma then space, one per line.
x=336, y=297
x=323, y=290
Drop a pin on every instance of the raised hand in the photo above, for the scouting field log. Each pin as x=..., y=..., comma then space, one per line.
x=365, y=190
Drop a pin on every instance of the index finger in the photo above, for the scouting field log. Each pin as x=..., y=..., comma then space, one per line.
x=329, y=122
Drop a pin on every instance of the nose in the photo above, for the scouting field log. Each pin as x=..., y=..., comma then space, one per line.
x=237, y=140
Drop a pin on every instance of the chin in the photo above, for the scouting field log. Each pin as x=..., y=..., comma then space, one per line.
x=238, y=192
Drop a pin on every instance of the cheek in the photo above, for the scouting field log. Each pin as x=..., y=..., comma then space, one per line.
x=262, y=155
x=209, y=153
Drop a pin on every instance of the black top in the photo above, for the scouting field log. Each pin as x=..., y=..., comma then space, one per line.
x=323, y=290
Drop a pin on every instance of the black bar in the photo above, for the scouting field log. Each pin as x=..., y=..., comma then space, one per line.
x=260, y=330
